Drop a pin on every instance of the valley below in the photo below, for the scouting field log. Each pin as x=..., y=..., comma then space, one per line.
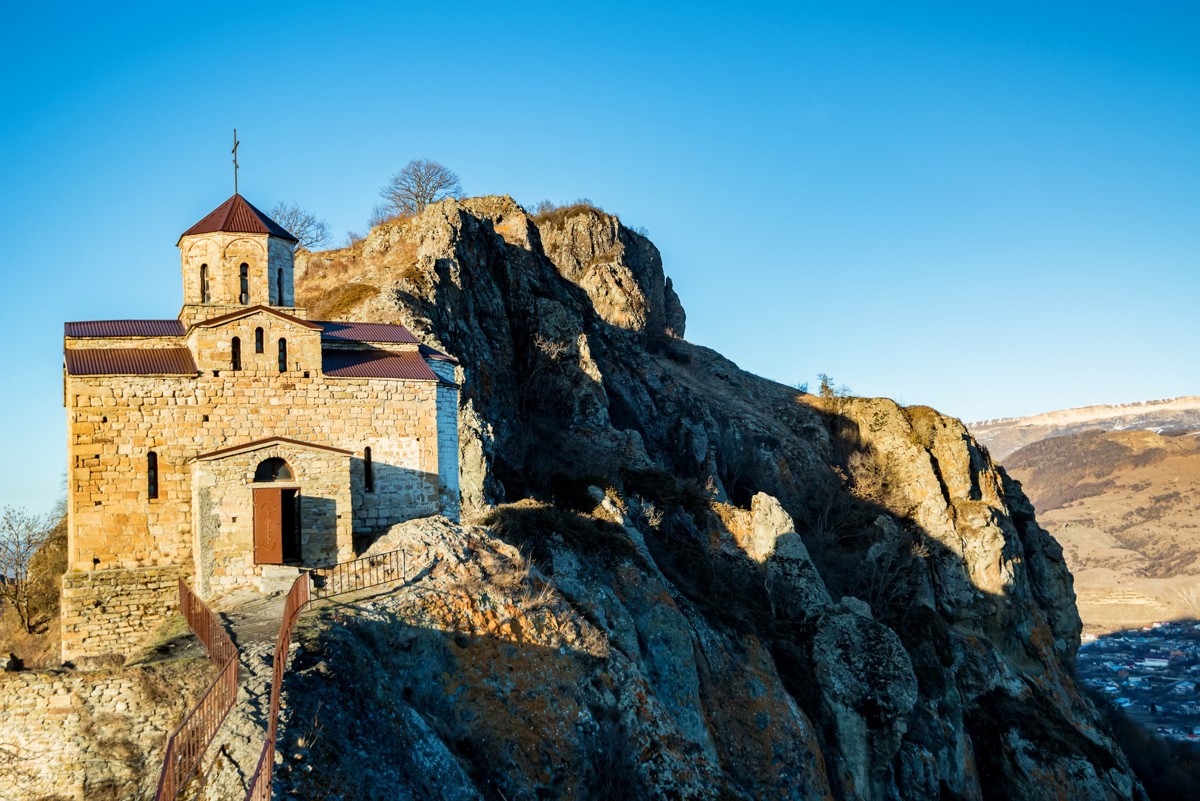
x=1119, y=487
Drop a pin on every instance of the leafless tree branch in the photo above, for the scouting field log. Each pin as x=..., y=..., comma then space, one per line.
x=312, y=231
x=421, y=182
x=21, y=534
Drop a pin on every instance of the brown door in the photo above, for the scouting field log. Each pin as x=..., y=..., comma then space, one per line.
x=268, y=526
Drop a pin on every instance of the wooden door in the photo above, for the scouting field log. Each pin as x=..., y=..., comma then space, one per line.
x=268, y=526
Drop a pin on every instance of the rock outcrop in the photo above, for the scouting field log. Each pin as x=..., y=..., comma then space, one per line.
x=686, y=581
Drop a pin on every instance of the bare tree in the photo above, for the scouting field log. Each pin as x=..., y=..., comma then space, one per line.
x=21, y=534
x=381, y=214
x=311, y=231
x=420, y=183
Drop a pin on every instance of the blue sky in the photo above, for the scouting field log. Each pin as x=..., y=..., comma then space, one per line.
x=993, y=209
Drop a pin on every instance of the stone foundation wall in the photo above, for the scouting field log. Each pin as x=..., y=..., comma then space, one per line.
x=96, y=736
x=112, y=611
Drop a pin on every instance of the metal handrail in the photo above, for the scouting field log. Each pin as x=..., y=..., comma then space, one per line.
x=191, y=738
x=318, y=584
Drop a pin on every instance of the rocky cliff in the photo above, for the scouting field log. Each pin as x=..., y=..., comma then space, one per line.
x=681, y=580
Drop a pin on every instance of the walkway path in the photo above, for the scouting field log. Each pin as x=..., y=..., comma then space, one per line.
x=252, y=621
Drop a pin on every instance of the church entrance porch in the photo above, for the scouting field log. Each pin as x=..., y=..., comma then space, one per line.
x=268, y=507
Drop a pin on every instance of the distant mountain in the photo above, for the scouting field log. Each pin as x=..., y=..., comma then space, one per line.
x=1119, y=487
x=1007, y=434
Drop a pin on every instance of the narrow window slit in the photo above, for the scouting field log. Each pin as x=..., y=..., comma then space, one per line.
x=152, y=475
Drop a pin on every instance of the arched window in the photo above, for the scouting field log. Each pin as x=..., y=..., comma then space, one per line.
x=152, y=474
x=273, y=469
x=235, y=359
x=279, y=287
x=204, y=296
x=368, y=470
x=258, y=340
x=282, y=355
x=244, y=298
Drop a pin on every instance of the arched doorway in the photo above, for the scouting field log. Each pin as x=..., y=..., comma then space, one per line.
x=276, y=514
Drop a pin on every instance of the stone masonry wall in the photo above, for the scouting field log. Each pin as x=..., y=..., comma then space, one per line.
x=280, y=256
x=212, y=347
x=224, y=253
x=112, y=611
x=447, y=427
x=94, y=736
x=116, y=420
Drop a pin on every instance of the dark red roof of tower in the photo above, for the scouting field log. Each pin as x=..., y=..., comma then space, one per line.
x=238, y=216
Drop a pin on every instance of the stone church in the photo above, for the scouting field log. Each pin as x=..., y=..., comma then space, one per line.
x=240, y=442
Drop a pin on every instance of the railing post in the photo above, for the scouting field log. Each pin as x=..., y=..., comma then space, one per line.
x=190, y=739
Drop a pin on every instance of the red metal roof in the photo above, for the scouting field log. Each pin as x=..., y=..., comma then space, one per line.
x=435, y=354
x=407, y=365
x=125, y=328
x=237, y=215
x=130, y=361
x=365, y=332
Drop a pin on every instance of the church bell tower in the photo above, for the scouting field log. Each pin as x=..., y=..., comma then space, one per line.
x=235, y=257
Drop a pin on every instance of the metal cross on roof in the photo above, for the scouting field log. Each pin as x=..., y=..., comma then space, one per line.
x=235, y=164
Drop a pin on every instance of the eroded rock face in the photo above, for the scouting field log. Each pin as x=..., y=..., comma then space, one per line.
x=693, y=525
x=794, y=583
x=621, y=271
x=869, y=690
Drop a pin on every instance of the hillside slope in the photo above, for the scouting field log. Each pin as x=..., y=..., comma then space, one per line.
x=1007, y=435
x=1126, y=507
x=736, y=590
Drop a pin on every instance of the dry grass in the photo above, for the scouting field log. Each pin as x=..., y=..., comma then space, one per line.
x=339, y=301
x=339, y=281
x=556, y=216
x=403, y=256
x=536, y=527
x=1125, y=506
x=325, y=274
x=41, y=648
x=172, y=632
x=36, y=651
